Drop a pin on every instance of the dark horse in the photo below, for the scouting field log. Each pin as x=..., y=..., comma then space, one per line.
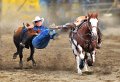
x=17, y=39
x=84, y=42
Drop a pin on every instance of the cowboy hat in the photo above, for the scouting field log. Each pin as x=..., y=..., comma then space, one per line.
x=37, y=18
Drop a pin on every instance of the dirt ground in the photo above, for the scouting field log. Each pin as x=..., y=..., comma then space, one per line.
x=56, y=63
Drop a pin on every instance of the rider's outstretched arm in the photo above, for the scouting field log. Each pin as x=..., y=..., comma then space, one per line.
x=67, y=26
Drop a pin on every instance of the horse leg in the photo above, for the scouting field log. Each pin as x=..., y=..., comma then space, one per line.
x=82, y=57
x=32, y=49
x=86, y=64
x=90, y=58
x=21, y=56
x=77, y=57
x=93, y=55
x=78, y=65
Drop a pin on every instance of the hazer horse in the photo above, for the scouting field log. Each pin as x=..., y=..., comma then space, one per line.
x=17, y=39
x=84, y=42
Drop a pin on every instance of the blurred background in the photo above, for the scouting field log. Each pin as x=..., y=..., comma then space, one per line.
x=14, y=12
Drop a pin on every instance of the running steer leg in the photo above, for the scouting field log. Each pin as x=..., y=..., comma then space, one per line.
x=21, y=56
x=32, y=49
x=17, y=52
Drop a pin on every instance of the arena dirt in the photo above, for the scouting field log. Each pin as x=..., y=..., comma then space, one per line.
x=56, y=63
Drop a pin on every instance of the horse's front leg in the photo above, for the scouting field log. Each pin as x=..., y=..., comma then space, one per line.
x=90, y=60
x=21, y=56
x=78, y=65
x=77, y=58
x=93, y=55
x=86, y=63
x=82, y=57
x=32, y=50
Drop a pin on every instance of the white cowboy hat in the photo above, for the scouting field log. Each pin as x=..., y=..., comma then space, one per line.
x=37, y=18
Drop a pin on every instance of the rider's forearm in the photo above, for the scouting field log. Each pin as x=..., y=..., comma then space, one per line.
x=67, y=26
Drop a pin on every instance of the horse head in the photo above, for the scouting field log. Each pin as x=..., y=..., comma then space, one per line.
x=93, y=23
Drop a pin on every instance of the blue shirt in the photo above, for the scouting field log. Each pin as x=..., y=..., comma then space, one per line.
x=52, y=33
x=41, y=28
x=36, y=28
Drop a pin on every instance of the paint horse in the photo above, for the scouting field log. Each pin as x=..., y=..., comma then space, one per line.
x=84, y=38
x=17, y=39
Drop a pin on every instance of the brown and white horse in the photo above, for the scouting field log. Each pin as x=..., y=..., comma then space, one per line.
x=84, y=42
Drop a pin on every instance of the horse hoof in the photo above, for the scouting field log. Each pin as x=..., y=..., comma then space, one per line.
x=90, y=62
x=79, y=72
x=81, y=66
x=21, y=65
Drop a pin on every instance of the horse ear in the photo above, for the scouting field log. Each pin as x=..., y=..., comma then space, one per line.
x=96, y=14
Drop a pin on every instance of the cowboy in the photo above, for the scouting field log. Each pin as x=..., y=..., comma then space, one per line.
x=76, y=25
x=38, y=27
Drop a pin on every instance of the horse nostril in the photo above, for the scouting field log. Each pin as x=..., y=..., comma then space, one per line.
x=94, y=37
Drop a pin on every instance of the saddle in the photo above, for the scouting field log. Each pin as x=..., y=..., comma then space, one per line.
x=77, y=27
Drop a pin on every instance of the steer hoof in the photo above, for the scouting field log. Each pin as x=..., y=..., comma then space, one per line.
x=15, y=55
x=28, y=59
x=21, y=65
x=34, y=64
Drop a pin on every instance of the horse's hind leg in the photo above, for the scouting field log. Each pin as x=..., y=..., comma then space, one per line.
x=32, y=49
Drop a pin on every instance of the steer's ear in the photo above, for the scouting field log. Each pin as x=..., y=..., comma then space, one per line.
x=27, y=24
